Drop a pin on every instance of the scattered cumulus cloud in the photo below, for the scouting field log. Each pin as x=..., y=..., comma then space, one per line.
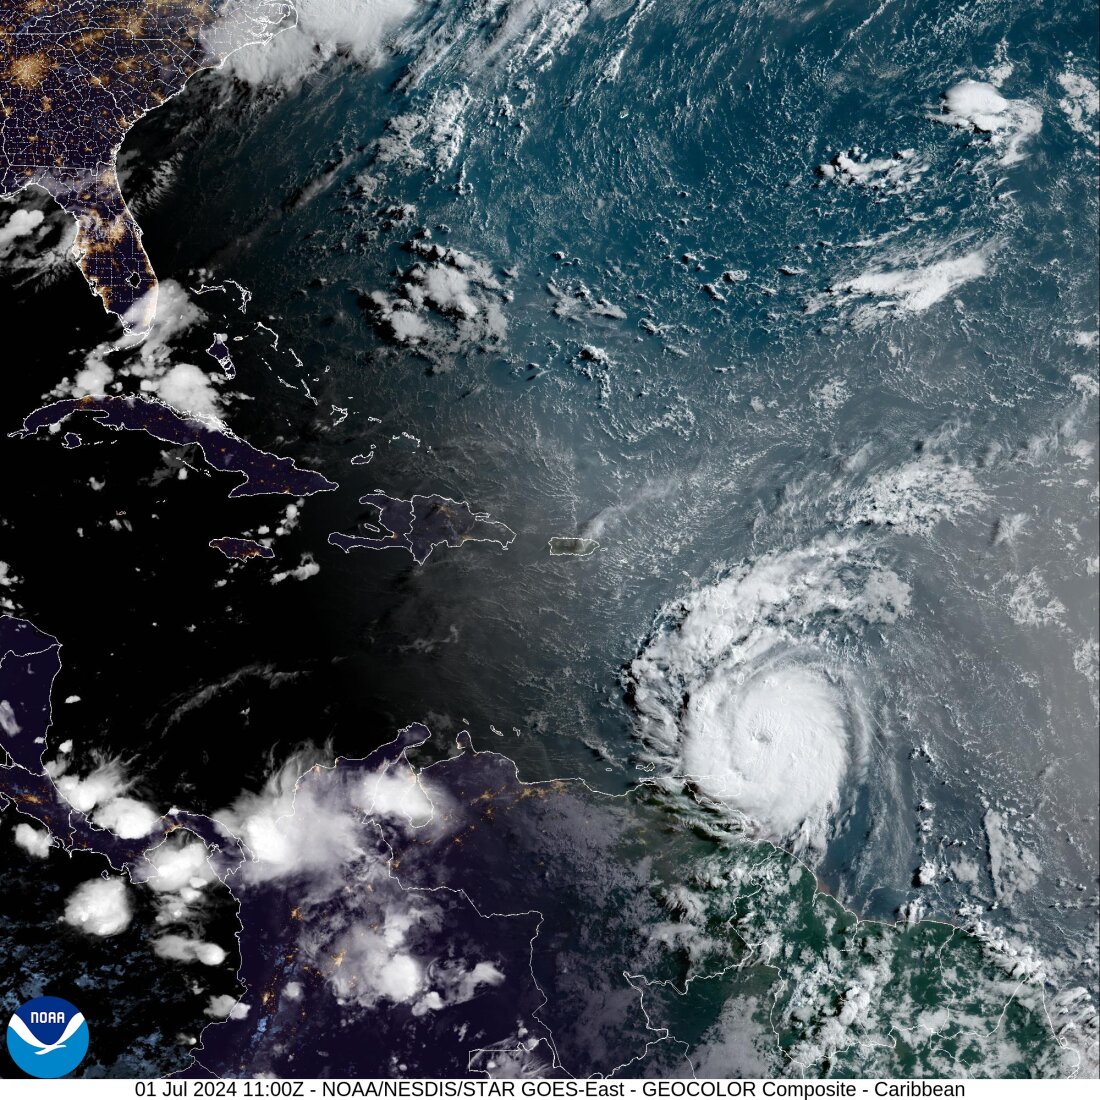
x=901, y=284
x=9, y=581
x=915, y=496
x=145, y=362
x=1080, y=103
x=893, y=175
x=324, y=29
x=447, y=302
x=305, y=569
x=1009, y=124
x=102, y=795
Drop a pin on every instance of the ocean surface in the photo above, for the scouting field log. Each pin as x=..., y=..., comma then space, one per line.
x=790, y=307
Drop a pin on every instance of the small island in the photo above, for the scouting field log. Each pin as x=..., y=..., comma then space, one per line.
x=241, y=549
x=569, y=546
x=220, y=352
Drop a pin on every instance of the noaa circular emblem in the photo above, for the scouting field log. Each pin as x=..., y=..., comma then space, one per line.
x=47, y=1037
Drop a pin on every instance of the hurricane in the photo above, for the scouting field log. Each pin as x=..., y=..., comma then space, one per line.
x=751, y=686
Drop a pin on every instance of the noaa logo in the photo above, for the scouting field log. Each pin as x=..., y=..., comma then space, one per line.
x=47, y=1037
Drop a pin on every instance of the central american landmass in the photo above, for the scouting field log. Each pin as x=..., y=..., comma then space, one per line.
x=74, y=78
x=468, y=921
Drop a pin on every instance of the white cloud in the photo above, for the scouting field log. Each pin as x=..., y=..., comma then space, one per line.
x=226, y=1007
x=776, y=747
x=180, y=862
x=8, y=580
x=179, y=874
x=737, y=1044
x=91, y=380
x=36, y=240
x=126, y=817
x=373, y=962
x=353, y=28
x=8, y=722
x=914, y=497
x=187, y=388
x=974, y=105
x=1031, y=603
x=1081, y=104
x=734, y=688
x=99, y=907
x=311, y=823
x=147, y=359
x=894, y=175
x=394, y=791
x=105, y=782
x=293, y=834
x=20, y=223
x=184, y=949
x=448, y=301
x=35, y=841
x=102, y=795
x=903, y=284
x=1015, y=869
x=176, y=313
x=514, y=36
x=448, y=983
x=453, y=984
x=405, y=324
x=430, y=138
x=378, y=943
x=305, y=569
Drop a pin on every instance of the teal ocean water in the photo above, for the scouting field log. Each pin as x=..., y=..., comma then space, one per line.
x=791, y=309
